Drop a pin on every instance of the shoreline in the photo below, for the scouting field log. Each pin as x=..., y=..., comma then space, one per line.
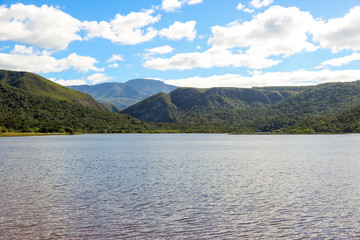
x=15, y=134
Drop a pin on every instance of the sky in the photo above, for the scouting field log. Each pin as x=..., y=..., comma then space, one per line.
x=189, y=43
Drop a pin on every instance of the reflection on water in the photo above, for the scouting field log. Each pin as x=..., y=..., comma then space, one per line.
x=181, y=186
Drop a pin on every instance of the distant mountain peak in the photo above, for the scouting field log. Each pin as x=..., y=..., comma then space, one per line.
x=125, y=94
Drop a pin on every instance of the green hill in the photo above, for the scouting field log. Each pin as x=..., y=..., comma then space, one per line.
x=125, y=94
x=256, y=109
x=37, y=85
x=322, y=99
x=30, y=103
x=185, y=103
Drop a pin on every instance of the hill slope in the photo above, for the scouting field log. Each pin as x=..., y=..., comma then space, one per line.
x=185, y=103
x=35, y=84
x=29, y=102
x=257, y=109
x=125, y=94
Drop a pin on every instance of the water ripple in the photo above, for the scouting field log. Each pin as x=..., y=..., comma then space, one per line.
x=180, y=187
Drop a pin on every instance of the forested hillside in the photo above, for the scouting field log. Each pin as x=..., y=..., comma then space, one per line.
x=29, y=103
x=258, y=109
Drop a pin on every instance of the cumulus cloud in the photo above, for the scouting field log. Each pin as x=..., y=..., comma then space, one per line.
x=294, y=78
x=278, y=31
x=339, y=33
x=23, y=58
x=174, y=5
x=180, y=30
x=124, y=29
x=44, y=27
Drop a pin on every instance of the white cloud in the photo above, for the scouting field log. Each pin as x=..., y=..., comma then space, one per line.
x=124, y=29
x=45, y=27
x=295, y=78
x=114, y=65
x=23, y=58
x=278, y=32
x=80, y=63
x=171, y=5
x=214, y=57
x=174, y=5
x=180, y=30
x=69, y=82
x=115, y=58
x=92, y=79
x=159, y=50
x=261, y=3
x=248, y=10
x=193, y=2
x=98, y=78
x=337, y=62
x=339, y=33
x=240, y=6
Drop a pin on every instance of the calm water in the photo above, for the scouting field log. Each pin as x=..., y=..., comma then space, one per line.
x=180, y=187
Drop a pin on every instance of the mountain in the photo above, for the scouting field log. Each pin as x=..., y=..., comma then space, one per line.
x=183, y=103
x=30, y=103
x=257, y=109
x=125, y=94
x=37, y=85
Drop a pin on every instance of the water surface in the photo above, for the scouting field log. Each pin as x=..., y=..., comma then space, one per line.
x=180, y=186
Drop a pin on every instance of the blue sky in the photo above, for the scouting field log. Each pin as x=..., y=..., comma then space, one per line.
x=195, y=43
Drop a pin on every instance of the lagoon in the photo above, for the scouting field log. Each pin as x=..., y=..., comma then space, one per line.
x=180, y=186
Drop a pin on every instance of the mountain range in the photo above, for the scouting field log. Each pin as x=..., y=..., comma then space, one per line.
x=31, y=103
x=125, y=94
x=256, y=109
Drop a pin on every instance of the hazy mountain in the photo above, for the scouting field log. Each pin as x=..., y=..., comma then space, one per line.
x=125, y=94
